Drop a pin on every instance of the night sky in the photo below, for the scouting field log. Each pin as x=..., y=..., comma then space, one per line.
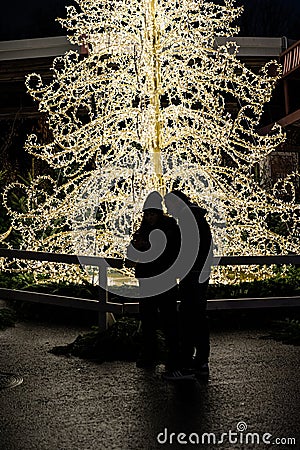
x=23, y=19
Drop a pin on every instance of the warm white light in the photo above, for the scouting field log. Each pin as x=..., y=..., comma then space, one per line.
x=146, y=109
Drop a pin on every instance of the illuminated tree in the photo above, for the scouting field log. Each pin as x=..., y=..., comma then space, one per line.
x=146, y=109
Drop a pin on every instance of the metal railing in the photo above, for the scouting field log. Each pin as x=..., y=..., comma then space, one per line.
x=103, y=306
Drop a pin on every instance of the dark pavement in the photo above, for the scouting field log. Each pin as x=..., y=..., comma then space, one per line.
x=71, y=404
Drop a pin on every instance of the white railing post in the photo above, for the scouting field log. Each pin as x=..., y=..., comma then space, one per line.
x=102, y=297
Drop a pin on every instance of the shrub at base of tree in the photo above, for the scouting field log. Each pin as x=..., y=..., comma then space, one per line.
x=121, y=342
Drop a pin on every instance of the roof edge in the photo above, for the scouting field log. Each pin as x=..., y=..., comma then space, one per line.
x=35, y=48
x=58, y=45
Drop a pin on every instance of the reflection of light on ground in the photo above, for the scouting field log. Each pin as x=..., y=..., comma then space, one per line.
x=117, y=279
x=114, y=278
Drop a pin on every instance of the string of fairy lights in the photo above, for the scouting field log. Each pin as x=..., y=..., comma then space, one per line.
x=146, y=109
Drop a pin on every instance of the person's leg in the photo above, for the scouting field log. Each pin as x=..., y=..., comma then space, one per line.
x=167, y=303
x=193, y=320
x=149, y=319
x=202, y=340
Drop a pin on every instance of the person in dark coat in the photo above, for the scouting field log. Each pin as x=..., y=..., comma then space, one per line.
x=160, y=234
x=195, y=343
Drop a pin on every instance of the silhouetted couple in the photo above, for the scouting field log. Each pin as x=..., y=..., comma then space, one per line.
x=173, y=262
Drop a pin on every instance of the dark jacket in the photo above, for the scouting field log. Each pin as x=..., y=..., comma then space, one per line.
x=205, y=236
x=141, y=242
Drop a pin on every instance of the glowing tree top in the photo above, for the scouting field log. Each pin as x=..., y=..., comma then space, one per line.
x=146, y=109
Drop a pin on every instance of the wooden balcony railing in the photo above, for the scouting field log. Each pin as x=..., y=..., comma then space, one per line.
x=290, y=59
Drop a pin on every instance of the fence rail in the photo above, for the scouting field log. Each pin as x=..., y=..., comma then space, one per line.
x=119, y=263
x=103, y=306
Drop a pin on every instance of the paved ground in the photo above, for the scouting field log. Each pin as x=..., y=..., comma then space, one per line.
x=71, y=404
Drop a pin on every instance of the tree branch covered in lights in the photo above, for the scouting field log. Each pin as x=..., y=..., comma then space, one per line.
x=146, y=109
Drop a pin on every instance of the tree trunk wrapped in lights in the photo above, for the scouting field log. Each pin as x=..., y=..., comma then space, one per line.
x=146, y=109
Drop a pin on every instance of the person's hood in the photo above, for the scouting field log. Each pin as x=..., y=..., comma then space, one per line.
x=199, y=209
x=153, y=201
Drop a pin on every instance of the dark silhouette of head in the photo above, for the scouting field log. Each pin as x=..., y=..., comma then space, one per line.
x=153, y=201
x=175, y=201
x=181, y=195
x=152, y=209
